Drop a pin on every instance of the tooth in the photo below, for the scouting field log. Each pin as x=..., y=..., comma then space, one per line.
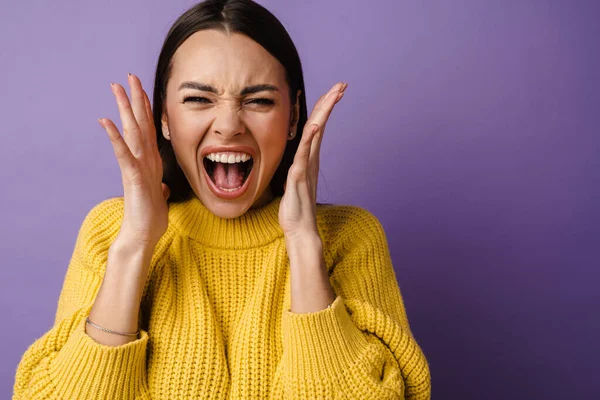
x=211, y=157
x=231, y=159
x=245, y=157
x=222, y=158
x=238, y=158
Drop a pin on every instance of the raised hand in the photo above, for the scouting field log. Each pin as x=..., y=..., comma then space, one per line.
x=297, y=210
x=145, y=217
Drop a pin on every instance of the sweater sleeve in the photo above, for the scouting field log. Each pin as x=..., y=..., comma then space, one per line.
x=362, y=346
x=66, y=363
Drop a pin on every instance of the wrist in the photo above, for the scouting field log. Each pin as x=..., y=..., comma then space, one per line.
x=305, y=250
x=130, y=248
x=302, y=242
x=128, y=263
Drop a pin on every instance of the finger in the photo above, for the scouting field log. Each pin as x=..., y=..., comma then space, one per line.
x=126, y=160
x=324, y=111
x=315, y=152
x=314, y=156
x=321, y=114
x=333, y=98
x=131, y=130
x=138, y=103
x=153, y=139
x=314, y=161
x=300, y=164
x=148, y=108
x=337, y=87
x=341, y=94
x=324, y=106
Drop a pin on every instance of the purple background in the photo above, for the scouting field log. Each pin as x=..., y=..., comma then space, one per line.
x=470, y=128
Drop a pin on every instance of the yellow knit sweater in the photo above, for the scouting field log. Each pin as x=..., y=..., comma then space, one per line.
x=215, y=317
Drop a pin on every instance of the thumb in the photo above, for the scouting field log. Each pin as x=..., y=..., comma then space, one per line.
x=166, y=191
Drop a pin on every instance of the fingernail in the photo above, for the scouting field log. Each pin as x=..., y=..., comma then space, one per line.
x=112, y=87
x=101, y=122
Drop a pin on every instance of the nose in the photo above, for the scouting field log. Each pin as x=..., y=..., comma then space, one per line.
x=227, y=122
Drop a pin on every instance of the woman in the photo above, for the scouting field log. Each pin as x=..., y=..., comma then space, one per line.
x=219, y=276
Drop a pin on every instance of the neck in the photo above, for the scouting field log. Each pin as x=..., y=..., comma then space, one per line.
x=256, y=227
x=265, y=198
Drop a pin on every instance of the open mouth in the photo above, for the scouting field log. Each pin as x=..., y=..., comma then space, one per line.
x=228, y=171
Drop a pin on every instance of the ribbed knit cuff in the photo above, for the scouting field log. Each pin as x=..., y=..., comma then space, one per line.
x=320, y=344
x=85, y=368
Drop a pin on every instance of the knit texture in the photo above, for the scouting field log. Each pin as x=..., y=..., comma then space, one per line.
x=215, y=316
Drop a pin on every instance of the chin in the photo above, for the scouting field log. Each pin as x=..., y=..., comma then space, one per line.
x=225, y=208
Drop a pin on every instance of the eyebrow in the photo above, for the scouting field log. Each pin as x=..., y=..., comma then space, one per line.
x=247, y=90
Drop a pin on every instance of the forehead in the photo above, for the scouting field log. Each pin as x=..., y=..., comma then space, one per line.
x=226, y=61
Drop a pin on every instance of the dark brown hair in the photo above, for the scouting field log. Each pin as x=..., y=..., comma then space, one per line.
x=256, y=22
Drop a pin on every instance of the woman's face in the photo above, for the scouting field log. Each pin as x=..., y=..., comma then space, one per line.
x=228, y=116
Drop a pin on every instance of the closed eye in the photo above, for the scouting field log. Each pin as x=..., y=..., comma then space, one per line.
x=261, y=101
x=196, y=99
x=203, y=100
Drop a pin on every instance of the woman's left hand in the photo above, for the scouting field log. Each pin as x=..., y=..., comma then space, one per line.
x=298, y=207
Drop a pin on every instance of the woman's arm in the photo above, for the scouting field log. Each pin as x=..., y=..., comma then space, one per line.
x=361, y=347
x=66, y=362
x=117, y=304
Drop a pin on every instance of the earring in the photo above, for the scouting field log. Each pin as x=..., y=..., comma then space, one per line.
x=291, y=134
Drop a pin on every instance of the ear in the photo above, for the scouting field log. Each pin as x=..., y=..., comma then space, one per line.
x=295, y=116
x=165, y=126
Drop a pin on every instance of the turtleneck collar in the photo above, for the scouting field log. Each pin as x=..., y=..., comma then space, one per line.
x=254, y=228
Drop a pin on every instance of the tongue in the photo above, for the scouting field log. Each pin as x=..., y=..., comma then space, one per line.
x=228, y=176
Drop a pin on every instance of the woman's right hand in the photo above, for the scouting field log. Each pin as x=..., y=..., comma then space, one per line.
x=145, y=217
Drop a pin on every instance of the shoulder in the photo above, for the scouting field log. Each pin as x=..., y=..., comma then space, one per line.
x=103, y=217
x=105, y=211
x=341, y=225
x=99, y=229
